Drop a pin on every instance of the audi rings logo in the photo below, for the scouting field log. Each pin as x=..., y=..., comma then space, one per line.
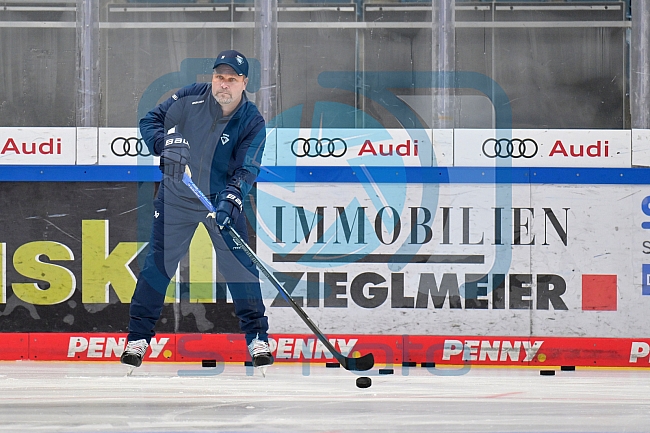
x=131, y=146
x=313, y=147
x=510, y=148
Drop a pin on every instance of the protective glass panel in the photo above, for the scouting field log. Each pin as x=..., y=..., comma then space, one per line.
x=104, y=63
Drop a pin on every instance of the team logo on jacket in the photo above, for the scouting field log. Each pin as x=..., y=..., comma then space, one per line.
x=225, y=138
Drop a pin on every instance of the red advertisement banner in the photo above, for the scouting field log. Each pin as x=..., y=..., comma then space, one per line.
x=387, y=349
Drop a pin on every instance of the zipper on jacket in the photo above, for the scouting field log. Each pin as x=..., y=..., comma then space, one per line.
x=214, y=125
x=214, y=122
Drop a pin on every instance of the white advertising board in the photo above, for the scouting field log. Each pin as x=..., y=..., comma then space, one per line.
x=358, y=147
x=542, y=148
x=38, y=146
x=459, y=259
x=350, y=147
x=124, y=146
x=641, y=147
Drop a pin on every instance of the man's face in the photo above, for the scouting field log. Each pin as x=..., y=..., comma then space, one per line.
x=227, y=85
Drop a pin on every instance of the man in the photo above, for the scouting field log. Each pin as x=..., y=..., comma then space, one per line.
x=213, y=129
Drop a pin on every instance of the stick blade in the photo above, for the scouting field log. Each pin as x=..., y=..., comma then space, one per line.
x=366, y=362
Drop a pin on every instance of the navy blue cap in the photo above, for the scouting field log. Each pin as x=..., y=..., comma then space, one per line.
x=234, y=59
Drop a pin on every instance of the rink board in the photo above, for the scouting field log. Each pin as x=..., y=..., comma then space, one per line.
x=473, y=259
x=465, y=259
x=470, y=259
x=388, y=350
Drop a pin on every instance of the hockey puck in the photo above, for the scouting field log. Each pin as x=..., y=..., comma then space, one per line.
x=364, y=382
x=547, y=372
x=568, y=368
x=209, y=363
x=248, y=363
x=332, y=365
x=386, y=371
x=409, y=364
x=428, y=364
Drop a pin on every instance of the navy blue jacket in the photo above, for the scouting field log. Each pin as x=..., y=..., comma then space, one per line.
x=223, y=150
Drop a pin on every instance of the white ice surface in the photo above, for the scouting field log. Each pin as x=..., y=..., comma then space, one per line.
x=38, y=396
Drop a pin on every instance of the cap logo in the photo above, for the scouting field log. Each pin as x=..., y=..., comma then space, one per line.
x=240, y=60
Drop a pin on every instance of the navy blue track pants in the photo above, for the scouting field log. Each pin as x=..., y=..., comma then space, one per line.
x=174, y=224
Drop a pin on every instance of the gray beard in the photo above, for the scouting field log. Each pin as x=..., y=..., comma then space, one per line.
x=224, y=100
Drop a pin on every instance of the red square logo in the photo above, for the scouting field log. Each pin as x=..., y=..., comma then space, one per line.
x=599, y=292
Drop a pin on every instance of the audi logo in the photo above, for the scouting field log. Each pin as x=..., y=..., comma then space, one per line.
x=324, y=147
x=510, y=148
x=131, y=146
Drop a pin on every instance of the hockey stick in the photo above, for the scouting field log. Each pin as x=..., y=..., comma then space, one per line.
x=363, y=363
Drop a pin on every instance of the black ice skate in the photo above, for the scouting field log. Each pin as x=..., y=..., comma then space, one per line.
x=261, y=354
x=133, y=354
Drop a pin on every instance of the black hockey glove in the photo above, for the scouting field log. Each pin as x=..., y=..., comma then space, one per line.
x=175, y=156
x=229, y=206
